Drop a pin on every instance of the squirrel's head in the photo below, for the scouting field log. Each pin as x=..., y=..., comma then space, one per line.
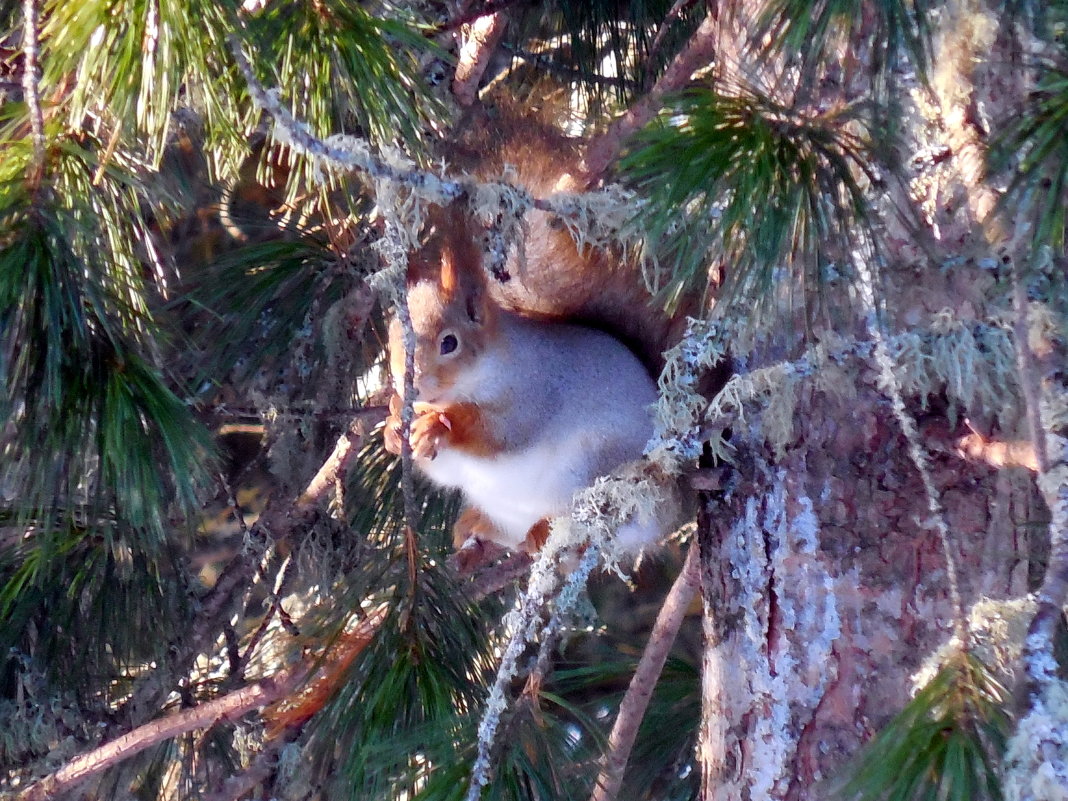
x=453, y=318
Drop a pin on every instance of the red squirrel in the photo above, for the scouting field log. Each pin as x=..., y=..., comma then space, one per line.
x=516, y=404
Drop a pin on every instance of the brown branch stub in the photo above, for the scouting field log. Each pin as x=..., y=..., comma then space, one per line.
x=634, y=703
x=480, y=41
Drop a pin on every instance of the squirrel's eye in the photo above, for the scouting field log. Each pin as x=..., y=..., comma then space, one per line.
x=449, y=343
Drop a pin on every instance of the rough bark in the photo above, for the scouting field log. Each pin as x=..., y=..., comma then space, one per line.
x=823, y=593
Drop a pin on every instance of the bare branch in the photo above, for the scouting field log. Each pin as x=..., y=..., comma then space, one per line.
x=634, y=703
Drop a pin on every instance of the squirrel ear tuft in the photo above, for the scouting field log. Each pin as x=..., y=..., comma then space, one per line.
x=450, y=273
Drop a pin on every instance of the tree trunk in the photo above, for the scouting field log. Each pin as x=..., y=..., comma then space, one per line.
x=825, y=590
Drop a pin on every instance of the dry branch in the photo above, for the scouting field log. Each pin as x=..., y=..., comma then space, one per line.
x=634, y=703
x=272, y=690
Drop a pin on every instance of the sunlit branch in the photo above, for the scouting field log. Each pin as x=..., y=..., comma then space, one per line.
x=228, y=707
x=481, y=39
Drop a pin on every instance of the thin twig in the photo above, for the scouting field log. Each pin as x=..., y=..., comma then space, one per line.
x=891, y=386
x=407, y=413
x=350, y=153
x=523, y=624
x=275, y=608
x=673, y=14
x=546, y=62
x=30, y=78
x=279, y=523
x=632, y=707
x=350, y=156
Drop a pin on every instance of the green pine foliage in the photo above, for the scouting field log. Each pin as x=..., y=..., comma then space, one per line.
x=1035, y=145
x=734, y=178
x=894, y=30
x=946, y=744
x=637, y=39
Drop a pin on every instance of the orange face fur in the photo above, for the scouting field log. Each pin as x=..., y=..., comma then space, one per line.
x=453, y=319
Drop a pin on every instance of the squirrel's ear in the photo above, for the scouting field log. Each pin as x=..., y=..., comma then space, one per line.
x=462, y=281
x=461, y=275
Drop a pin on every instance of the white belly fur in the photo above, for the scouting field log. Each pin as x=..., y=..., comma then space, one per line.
x=515, y=490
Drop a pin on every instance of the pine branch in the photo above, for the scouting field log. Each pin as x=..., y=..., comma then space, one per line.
x=271, y=690
x=632, y=707
x=349, y=156
x=227, y=707
x=523, y=624
x=278, y=523
x=698, y=53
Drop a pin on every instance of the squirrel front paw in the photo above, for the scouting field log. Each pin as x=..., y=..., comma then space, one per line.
x=428, y=430
x=391, y=432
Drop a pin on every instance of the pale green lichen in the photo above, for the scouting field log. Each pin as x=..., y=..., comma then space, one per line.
x=680, y=407
x=973, y=363
x=997, y=630
x=1036, y=760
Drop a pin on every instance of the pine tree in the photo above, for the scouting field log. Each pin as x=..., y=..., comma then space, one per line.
x=215, y=582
